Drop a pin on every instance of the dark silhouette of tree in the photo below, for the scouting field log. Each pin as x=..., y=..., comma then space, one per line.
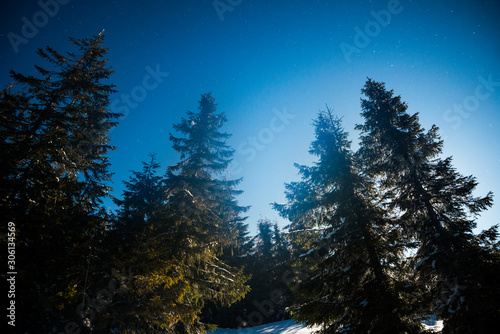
x=54, y=176
x=148, y=280
x=456, y=271
x=380, y=237
x=268, y=263
x=272, y=263
x=352, y=246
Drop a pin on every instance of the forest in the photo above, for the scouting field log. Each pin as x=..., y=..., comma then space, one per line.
x=379, y=237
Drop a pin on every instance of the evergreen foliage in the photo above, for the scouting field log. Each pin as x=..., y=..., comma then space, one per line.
x=352, y=245
x=386, y=233
x=171, y=233
x=54, y=173
x=270, y=267
x=437, y=207
x=266, y=261
x=202, y=206
x=378, y=238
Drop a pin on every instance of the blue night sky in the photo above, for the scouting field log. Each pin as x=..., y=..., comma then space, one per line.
x=271, y=66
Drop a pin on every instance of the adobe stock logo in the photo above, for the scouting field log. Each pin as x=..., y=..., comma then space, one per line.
x=250, y=147
x=222, y=6
x=150, y=81
x=29, y=29
x=372, y=29
x=484, y=89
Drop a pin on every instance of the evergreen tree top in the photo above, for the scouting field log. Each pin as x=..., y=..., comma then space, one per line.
x=390, y=136
x=203, y=147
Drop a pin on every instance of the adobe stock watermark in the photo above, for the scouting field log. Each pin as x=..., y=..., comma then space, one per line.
x=461, y=111
x=223, y=6
x=30, y=28
x=363, y=38
x=249, y=148
x=150, y=81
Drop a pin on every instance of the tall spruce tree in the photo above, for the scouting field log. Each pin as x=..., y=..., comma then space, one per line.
x=346, y=278
x=150, y=289
x=456, y=271
x=202, y=209
x=54, y=174
x=171, y=234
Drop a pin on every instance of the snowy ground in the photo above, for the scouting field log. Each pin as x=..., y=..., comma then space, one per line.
x=289, y=327
x=437, y=327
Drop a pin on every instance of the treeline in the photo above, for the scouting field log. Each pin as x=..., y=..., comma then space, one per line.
x=379, y=237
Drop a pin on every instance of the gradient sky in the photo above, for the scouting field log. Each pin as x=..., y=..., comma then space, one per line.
x=271, y=66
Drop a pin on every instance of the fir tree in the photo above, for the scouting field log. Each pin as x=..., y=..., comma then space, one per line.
x=54, y=176
x=264, y=277
x=282, y=255
x=436, y=206
x=267, y=263
x=202, y=211
x=346, y=278
x=237, y=255
x=143, y=198
x=264, y=244
x=150, y=285
x=272, y=263
x=171, y=234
